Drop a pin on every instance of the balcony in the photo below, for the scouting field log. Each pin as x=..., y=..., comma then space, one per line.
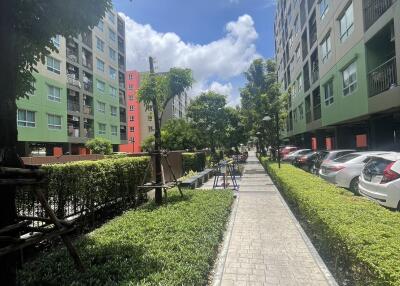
x=121, y=27
x=121, y=80
x=73, y=75
x=381, y=61
x=373, y=9
x=73, y=106
x=73, y=101
x=87, y=82
x=121, y=62
x=312, y=30
x=383, y=77
x=87, y=59
x=314, y=66
x=72, y=50
x=87, y=38
x=73, y=126
x=88, y=128
x=121, y=45
x=122, y=100
x=308, y=109
x=317, y=104
x=122, y=115
x=122, y=133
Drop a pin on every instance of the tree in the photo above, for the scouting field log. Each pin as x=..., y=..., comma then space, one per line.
x=260, y=97
x=157, y=91
x=99, y=146
x=176, y=134
x=26, y=32
x=207, y=114
x=234, y=131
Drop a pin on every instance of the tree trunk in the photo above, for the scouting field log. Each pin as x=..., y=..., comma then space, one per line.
x=157, y=143
x=8, y=123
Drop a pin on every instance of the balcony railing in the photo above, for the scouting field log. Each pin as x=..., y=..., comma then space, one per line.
x=317, y=112
x=122, y=100
x=73, y=106
x=71, y=79
x=73, y=132
x=373, y=9
x=123, y=136
x=88, y=133
x=383, y=77
x=87, y=109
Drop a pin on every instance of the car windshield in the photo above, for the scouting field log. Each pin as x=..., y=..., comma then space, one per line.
x=346, y=158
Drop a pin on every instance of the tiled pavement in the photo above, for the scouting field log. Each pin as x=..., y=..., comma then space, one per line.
x=265, y=245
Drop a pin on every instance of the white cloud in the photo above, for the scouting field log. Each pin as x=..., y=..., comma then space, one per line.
x=221, y=59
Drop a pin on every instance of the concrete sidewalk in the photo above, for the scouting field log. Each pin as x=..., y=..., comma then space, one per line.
x=264, y=244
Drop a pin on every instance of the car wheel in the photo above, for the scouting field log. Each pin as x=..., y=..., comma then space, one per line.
x=354, y=186
x=398, y=207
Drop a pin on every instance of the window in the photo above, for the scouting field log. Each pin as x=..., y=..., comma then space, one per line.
x=56, y=41
x=54, y=93
x=53, y=121
x=101, y=86
x=131, y=108
x=111, y=35
x=323, y=8
x=130, y=76
x=113, y=110
x=131, y=118
x=101, y=107
x=130, y=87
x=100, y=25
x=328, y=92
x=151, y=129
x=349, y=79
x=113, y=54
x=150, y=118
x=113, y=91
x=131, y=129
x=111, y=17
x=295, y=115
x=301, y=111
x=130, y=97
x=113, y=73
x=326, y=48
x=298, y=55
x=114, y=130
x=100, y=65
x=346, y=23
x=53, y=65
x=102, y=129
x=26, y=118
x=99, y=44
x=300, y=85
x=32, y=93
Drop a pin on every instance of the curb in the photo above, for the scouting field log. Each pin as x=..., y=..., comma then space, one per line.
x=219, y=266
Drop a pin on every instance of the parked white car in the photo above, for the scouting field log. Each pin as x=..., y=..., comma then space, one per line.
x=345, y=171
x=380, y=180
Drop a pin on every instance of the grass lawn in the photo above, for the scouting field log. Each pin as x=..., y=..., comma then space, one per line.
x=175, y=244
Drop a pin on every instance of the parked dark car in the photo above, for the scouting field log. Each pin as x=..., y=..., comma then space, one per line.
x=306, y=161
x=326, y=157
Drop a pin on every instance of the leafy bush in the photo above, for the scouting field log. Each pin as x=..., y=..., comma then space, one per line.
x=87, y=184
x=99, y=146
x=193, y=161
x=175, y=244
x=361, y=237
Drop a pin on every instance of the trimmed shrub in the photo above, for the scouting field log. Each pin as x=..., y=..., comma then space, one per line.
x=193, y=161
x=80, y=186
x=361, y=238
x=175, y=244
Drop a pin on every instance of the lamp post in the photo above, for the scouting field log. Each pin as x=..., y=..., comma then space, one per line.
x=268, y=118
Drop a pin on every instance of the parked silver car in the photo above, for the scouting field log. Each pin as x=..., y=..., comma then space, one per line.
x=292, y=156
x=346, y=170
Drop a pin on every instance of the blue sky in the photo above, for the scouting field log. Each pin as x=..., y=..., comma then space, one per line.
x=216, y=38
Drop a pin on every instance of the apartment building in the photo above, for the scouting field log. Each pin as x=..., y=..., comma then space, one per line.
x=176, y=108
x=133, y=113
x=339, y=62
x=80, y=93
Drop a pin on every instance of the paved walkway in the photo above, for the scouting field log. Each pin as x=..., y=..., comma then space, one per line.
x=266, y=245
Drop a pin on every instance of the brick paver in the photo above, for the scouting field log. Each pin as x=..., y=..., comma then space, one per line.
x=267, y=246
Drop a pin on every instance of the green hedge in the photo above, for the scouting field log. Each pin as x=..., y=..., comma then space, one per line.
x=361, y=237
x=193, y=161
x=175, y=244
x=81, y=186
